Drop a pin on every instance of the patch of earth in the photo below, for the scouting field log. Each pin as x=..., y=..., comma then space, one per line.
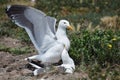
x=9, y=42
x=13, y=67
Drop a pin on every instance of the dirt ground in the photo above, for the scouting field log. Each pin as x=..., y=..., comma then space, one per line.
x=13, y=67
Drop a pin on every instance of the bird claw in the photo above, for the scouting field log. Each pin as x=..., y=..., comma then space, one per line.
x=65, y=70
x=69, y=71
x=61, y=69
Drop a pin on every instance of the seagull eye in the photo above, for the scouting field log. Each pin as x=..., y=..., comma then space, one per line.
x=64, y=22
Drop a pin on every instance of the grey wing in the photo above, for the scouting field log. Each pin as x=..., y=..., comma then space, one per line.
x=52, y=23
x=34, y=22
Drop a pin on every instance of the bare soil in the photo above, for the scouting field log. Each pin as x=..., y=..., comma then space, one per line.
x=13, y=67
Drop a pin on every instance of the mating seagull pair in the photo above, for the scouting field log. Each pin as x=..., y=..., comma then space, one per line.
x=52, y=45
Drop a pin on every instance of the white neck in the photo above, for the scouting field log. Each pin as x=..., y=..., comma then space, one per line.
x=61, y=31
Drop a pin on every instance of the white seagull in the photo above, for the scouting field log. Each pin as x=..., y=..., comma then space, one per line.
x=41, y=30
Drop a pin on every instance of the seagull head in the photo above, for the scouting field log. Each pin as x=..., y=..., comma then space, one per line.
x=65, y=25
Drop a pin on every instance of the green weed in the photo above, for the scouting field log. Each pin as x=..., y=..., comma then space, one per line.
x=16, y=50
x=100, y=45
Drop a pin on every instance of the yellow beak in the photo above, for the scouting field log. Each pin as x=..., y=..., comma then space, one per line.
x=70, y=28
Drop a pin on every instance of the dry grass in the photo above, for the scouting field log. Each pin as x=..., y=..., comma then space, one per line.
x=22, y=2
x=109, y=22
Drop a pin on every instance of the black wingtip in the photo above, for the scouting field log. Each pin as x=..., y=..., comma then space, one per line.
x=37, y=63
x=14, y=9
x=7, y=8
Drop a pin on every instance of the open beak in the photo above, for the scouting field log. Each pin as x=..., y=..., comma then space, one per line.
x=70, y=28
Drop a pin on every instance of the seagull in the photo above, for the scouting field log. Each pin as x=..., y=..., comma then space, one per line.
x=52, y=46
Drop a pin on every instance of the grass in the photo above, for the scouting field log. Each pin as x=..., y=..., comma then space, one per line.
x=16, y=50
x=98, y=44
x=95, y=72
x=97, y=52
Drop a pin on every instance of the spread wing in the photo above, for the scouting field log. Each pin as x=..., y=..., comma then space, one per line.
x=40, y=28
x=52, y=22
